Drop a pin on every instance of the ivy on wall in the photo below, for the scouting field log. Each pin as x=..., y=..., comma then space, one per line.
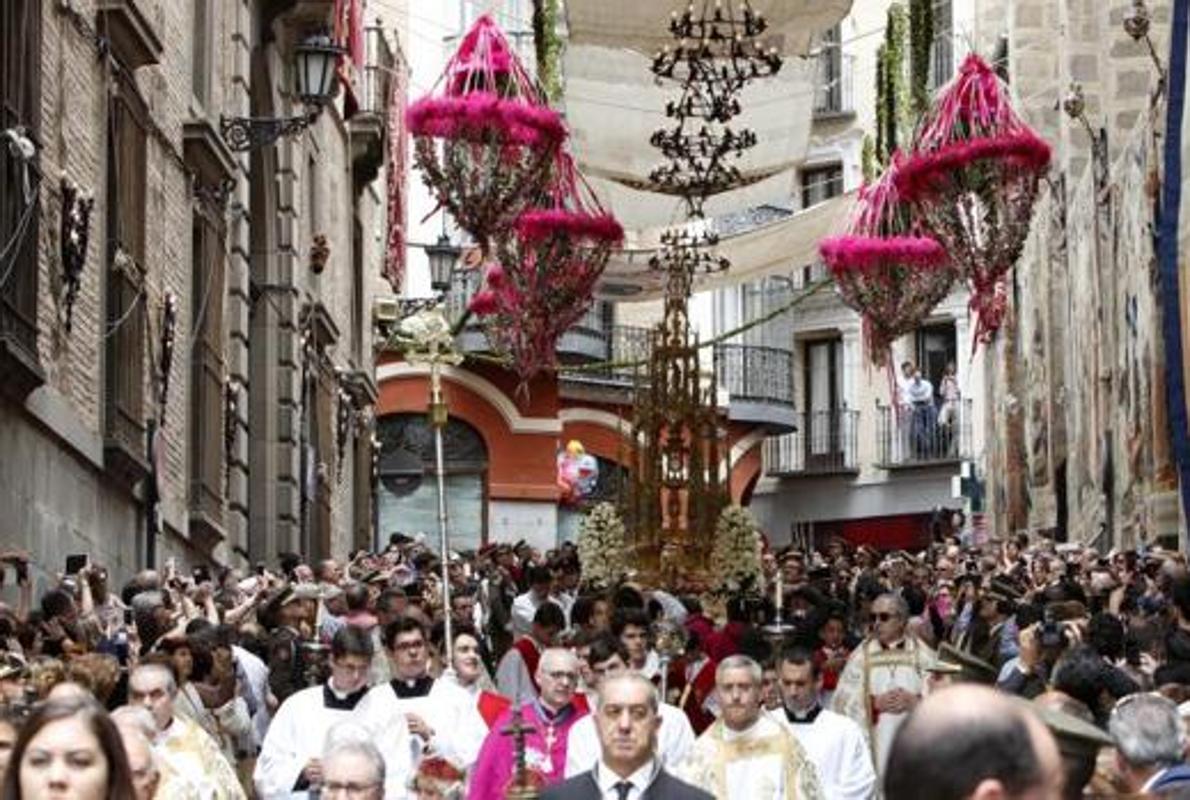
x=921, y=37
x=548, y=48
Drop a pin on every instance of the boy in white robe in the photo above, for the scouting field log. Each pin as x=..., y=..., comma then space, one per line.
x=414, y=713
x=290, y=763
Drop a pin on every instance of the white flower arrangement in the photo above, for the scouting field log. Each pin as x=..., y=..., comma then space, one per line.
x=735, y=556
x=601, y=542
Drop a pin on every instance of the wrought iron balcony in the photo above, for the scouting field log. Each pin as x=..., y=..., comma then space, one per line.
x=834, y=95
x=368, y=127
x=760, y=383
x=586, y=340
x=823, y=444
x=375, y=83
x=627, y=351
x=924, y=434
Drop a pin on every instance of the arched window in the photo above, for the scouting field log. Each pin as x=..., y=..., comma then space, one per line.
x=407, y=497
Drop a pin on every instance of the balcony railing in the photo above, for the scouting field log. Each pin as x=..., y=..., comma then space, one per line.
x=378, y=68
x=923, y=434
x=823, y=444
x=587, y=339
x=755, y=374
x=628, y=348
x=834, y=94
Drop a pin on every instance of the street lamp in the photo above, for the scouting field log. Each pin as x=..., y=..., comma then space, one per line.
x=314, y=60
x=443, y=256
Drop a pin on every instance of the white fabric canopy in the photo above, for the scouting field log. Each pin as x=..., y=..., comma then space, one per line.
x=775, y=248
x=613, y=105
x=643, y=25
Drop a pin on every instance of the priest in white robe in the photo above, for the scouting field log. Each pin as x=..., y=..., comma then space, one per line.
x=746, y=754
x=885, y=677
x=415, y=714
x=834, y=743
x=608, y=657
x=290, y=759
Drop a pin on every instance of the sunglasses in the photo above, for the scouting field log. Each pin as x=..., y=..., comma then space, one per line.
x=884, y=616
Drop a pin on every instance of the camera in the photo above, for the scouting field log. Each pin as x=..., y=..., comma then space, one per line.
x=1051, y=635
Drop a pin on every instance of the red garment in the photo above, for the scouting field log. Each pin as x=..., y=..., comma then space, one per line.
x=530, y=655
x=830, y=677
x=694, y=696
x=726, y=642
x=491, y=706
x=700, y=624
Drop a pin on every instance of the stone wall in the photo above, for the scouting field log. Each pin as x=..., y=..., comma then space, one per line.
x=1097, y=376
x=52, y=478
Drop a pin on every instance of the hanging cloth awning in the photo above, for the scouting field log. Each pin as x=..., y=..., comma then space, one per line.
x=644, y=26
x=613, y=105
x=772, y=249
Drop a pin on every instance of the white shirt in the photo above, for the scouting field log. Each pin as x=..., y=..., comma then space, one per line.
x=839, y=751
x=652, y=665
x=640, y=780
x=524, y=608
x=256, y=674
x=920, y=391
x=674, y=740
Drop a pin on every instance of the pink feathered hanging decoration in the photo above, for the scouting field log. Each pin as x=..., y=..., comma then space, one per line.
x=886, y=269
x=973, y=176
x=547, y=273
x=486, y=141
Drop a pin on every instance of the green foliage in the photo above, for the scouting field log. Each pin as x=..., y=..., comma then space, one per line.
x=548, y=48
x=893, y=113
x=921, y=36
x=868, y=159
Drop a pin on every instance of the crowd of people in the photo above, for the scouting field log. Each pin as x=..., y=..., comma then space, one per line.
x=1013, y=670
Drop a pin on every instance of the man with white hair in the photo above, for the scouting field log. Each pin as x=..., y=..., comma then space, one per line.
x=186, y=745
x=551, y=716
x=745, y=754
x=354, y=768
x=153, y=777
x=1150, y=745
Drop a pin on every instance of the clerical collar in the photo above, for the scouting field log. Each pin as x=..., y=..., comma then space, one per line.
x=406, y=689
x=336, y=700
x=550, y=716
x=803, y=718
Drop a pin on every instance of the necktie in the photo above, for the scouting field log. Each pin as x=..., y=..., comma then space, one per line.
x=622, y=789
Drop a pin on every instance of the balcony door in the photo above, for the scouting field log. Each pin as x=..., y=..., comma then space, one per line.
x=824, y=397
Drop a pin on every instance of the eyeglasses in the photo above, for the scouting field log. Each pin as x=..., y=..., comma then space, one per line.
x=337, y=789
x=884, y=616
x=409, y=647
x=560, y=676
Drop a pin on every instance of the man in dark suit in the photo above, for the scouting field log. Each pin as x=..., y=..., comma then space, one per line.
x=627, y=720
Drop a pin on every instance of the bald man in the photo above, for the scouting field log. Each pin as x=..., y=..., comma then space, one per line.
x=971, y=743
x=552, y=714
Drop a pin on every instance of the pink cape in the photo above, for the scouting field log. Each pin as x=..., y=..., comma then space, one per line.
x=494, y=766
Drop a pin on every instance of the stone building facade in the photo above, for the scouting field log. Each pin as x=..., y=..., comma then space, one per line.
x=1077, y=424
x=204, y=392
